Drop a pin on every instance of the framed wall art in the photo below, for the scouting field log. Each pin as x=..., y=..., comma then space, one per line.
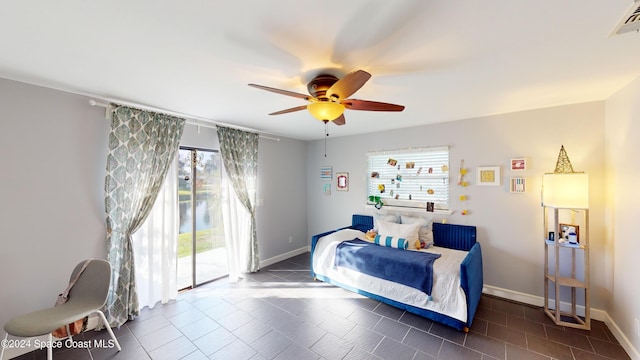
x=488, y=175
x=518, y=164
x=518, y=185
x=343, y=181
x=326, y=173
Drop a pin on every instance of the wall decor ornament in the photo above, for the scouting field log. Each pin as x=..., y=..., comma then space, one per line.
x=518, y=164
x=326, y=173
x=430, y=206
x=488, y=176
x=343, y=181
x=518, y=185
x=461, y=174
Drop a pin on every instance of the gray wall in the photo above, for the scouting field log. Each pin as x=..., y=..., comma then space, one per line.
x=509, y=225
x=623, y=200
x=281, y=190
x=54, y=147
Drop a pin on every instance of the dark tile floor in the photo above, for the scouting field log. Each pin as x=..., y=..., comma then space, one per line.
x=281, y=313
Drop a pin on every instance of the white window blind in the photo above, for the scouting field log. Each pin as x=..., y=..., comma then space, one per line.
x=410, y=177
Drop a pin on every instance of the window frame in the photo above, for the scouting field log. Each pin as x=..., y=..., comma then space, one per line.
x=415, y=181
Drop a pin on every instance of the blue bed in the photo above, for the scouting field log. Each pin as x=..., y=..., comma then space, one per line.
x=448, y=236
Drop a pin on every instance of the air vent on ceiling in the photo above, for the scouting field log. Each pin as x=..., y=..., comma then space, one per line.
x=630, y=21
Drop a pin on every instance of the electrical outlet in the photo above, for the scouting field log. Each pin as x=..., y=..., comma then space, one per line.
x=290, y=239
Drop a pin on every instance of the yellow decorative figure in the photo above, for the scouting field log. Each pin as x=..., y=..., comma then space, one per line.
x=371, y=235
x=462, y=173
x=463, y=197
x=465, y=212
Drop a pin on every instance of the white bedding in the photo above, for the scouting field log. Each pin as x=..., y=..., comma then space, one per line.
x=447, y=295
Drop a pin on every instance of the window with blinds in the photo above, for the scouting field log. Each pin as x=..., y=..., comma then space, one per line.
x=409, y=178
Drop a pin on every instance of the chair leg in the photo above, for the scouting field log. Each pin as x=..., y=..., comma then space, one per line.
x=2, y=346
x=50, y=348
x=106, y=324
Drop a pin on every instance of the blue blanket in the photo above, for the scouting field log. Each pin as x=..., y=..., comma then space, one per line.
x=410, y=268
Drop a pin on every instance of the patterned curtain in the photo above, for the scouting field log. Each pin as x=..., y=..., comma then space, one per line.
x=239, y=151
x=141, y=146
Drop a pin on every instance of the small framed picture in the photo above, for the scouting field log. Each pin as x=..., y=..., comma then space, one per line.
x=552, y=236
x=430, y=206
x=518, y=185
x=343, y=181
x=518, y=164
x=569, y=233
x=488, y=175
x=326, y=173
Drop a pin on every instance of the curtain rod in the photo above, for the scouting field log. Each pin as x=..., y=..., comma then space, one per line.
x=189, y=119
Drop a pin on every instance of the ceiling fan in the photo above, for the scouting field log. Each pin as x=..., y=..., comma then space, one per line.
x=329, y=97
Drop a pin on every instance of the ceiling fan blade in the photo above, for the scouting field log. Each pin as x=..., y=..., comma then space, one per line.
x=282, y=92
x=355, y=104
x=348, y=85
x=340, y=120
x=297, y=108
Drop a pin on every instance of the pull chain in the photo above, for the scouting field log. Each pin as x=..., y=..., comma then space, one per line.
x=326, y=134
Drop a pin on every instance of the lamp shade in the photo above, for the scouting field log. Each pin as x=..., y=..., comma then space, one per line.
x=566, y=190
x=325, y=110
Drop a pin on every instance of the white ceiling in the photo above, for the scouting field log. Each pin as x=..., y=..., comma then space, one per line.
x=444, y=60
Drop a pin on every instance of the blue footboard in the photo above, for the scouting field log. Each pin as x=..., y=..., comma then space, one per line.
x=459, y=237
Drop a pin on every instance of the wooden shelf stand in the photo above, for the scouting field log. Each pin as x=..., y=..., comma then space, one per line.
x=566, y=274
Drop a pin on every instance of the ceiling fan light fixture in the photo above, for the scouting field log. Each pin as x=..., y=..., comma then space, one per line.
x=325, y=110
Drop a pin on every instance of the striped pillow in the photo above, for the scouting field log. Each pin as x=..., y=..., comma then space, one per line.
x=391, y=241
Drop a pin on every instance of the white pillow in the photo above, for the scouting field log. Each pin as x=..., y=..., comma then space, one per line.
x=409, y=232
x=384, y=217
x=425, y=233
x=391, y=241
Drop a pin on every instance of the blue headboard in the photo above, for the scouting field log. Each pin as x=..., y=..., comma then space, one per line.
x=453, y=236
x=363, y=223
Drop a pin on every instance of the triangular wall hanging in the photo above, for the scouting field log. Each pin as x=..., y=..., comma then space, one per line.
x=563, y=165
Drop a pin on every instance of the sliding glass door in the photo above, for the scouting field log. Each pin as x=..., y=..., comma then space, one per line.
x=201, y=252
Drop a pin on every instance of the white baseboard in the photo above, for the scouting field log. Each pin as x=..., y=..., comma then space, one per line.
x=596, y=314
x=622, y=339
x=285, y=256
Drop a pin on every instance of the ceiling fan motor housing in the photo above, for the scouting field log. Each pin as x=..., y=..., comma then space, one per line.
x=319, y=85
